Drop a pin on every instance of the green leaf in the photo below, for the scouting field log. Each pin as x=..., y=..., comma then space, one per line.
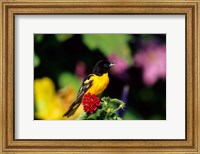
x=83, y=116
x=117, y=101
x=118, y=118
x=109, y=44
x=105, y=99
x=92, y=117
x=102, y=115
x=112, y=116
x=63, y=37
x=114, y=104
x=68, y=79
x=36, y=61
x=38, y=37
x=98, y=112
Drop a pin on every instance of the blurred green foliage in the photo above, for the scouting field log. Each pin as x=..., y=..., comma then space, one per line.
x=68, y=79
x=109, y=43
x=63, y=37
x=38, y=37
x=36, y=60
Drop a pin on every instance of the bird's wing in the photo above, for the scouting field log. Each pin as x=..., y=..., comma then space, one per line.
x=87, y=82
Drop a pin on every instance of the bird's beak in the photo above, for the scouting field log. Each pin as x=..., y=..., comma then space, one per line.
x=111, y=64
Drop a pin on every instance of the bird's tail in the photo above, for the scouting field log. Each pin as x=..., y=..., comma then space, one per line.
x=72, y=109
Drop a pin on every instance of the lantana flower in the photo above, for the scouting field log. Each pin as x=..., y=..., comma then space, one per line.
x=100, y=110
x=90, y=103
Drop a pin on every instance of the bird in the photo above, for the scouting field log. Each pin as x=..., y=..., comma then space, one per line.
x=94, y=83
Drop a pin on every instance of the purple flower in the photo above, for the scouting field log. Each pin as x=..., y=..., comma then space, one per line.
x=153, y=61
x=80, y=69
x=121, y=64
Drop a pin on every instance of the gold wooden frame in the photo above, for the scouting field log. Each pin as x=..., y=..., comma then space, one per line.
x=9, y=8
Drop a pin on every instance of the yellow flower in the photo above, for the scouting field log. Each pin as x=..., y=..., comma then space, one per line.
x=50, y=105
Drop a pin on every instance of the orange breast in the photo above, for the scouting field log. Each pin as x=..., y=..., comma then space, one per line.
x=99, y=84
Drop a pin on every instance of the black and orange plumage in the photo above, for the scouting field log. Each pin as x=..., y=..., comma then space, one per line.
x=94, y=83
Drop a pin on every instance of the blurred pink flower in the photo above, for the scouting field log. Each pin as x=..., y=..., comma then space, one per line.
x=153, y=61
x=80, y=70
x=121, y=64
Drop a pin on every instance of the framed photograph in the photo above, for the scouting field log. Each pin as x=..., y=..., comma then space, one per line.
x=99, y=76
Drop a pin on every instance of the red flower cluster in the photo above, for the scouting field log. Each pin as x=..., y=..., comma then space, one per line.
x=90, y=102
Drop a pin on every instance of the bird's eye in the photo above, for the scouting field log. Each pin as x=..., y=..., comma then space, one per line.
x=105, y=65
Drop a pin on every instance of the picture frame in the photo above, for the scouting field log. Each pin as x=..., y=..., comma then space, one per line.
x=156, y=7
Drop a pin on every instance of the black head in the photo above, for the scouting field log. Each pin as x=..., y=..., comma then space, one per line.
x=102, y=67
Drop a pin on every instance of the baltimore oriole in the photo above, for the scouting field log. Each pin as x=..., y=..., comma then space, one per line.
x=94, y=83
